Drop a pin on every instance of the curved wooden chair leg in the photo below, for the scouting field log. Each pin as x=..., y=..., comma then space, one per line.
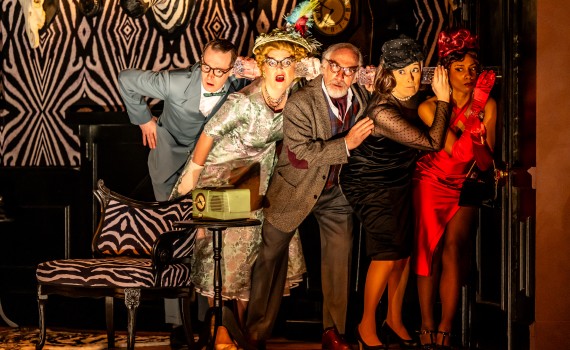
x=132, y=301
x=42, y=299
x=109, y=307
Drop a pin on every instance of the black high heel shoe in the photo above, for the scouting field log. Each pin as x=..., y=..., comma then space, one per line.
x=388, y=336
x=442, y=346
x=431, y=344
x=363, y=346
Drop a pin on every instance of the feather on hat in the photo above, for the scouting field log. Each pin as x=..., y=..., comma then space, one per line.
x=296, y=30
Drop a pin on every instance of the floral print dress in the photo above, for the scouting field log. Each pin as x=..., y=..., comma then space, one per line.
x=245, y=132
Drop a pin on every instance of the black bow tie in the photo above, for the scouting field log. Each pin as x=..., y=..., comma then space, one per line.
x=210, y=94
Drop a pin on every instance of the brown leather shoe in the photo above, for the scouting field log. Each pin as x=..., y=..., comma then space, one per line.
x=334, y=341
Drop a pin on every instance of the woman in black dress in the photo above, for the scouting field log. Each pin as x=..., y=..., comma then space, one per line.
x=377, y=179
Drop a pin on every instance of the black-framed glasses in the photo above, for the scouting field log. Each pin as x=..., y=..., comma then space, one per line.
x=284, y=63
x=335, y=68
x=218, y=72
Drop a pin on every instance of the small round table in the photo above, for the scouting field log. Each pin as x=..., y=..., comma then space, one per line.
x=223, y=316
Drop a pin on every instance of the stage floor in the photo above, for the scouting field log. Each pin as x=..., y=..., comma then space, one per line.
x=64, y=339
x=24, y=338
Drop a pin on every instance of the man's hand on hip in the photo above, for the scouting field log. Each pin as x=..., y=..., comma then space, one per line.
x=149, y=133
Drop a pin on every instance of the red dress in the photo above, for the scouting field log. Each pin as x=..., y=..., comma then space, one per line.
x=437, y=180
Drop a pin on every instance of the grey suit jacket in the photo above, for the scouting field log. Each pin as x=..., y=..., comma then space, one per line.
x=306, y=157
x=181, y=122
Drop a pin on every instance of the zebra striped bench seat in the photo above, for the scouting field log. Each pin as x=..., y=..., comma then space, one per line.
x=116, y=272
x=137, y=254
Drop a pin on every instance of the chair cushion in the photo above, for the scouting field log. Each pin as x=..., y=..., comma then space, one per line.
x=131, y=230
x=110, y=272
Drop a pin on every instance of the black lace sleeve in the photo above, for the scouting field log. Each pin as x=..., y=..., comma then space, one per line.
x=390, y=121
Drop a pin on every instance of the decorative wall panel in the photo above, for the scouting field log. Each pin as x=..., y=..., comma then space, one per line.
x=431, y=17
x=77, y=64
x=79, y=58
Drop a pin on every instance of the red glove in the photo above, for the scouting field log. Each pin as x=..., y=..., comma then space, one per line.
x=476, y=129
x=481, y=92
x=478, y=132
x=469, y=144
x=472, y=123
x=473, y=138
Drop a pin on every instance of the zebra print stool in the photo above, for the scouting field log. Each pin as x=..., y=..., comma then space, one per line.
x=137, y=254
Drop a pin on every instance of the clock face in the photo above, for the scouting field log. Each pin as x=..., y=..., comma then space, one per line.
x=332, y=16
x=200, y=201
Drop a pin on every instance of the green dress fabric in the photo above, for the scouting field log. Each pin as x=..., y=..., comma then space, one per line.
x=245, y=131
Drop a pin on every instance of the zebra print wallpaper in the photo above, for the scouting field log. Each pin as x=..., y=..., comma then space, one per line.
x=77, y=64
x=431, y=16
x=79, y=58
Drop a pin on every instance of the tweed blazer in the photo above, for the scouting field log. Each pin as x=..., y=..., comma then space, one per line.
x=181, y=122
x=306, y=156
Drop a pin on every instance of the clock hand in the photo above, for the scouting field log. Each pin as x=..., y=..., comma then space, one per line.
x=325, y=6
x=328, y=16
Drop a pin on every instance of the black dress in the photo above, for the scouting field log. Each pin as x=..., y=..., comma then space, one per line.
x=376, y=181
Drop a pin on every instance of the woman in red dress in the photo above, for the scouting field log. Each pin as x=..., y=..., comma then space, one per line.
x=443, y=228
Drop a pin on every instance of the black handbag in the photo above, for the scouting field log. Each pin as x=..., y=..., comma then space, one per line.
x=480, y=188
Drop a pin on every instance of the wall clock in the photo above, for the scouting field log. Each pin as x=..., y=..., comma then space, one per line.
x=332, y=17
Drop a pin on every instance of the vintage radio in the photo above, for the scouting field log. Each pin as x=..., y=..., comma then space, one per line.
x=221, y=203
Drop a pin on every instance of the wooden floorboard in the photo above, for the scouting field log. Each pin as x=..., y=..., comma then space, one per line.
x=24, y=338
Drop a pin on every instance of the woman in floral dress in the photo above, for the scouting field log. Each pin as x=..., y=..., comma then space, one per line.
x=245, y=131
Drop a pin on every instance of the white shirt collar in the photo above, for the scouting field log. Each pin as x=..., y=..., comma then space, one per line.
x=208, y=103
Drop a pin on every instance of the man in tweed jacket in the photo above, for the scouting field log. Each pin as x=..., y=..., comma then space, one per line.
x=323, y=121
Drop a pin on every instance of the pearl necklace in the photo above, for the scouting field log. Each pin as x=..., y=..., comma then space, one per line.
x=402, y=98
x=273, y=102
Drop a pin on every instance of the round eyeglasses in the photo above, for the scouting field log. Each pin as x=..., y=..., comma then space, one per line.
x=335, y=68
x=284, y=63
x=218, y=72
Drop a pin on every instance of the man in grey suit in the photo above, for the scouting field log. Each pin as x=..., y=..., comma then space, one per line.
x=191, y=96
x=323, y=121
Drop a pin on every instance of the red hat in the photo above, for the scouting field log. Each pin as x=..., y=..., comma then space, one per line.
x=459, y=40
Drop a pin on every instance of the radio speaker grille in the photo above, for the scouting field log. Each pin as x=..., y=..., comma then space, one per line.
x=217, y=203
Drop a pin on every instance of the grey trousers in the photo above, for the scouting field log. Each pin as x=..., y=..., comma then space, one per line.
x=334, y=216
x=162, y=190
x=161, y=193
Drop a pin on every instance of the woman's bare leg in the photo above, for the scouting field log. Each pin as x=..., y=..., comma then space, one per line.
x=455, y=250
x=376, y=279
x=397, y=283
x=426, y=296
